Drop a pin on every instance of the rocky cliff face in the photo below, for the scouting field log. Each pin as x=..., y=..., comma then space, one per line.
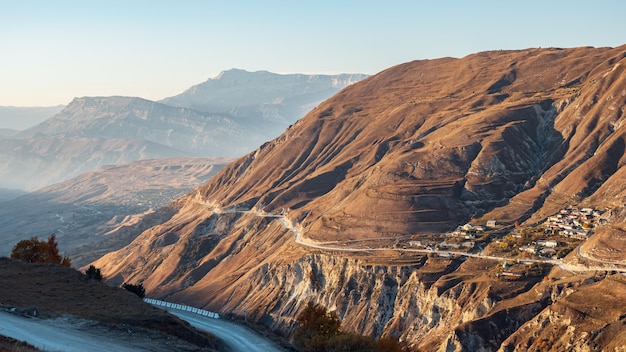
x=255, y=270
x=419, y=148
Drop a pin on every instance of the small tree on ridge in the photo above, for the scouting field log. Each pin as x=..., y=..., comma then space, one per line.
x=137, y=289
x=36, y=251
x=93, y=273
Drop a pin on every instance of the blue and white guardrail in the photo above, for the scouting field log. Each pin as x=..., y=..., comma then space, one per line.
x=182, y=307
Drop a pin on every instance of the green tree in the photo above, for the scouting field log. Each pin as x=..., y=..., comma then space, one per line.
x=35, y=251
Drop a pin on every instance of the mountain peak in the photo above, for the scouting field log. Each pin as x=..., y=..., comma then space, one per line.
x=238, y=77
x=235, y=73
x=445, y=140
x=275, y=97
x=100, y=100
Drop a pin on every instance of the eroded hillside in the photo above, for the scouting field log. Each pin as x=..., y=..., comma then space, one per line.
x=419, y=148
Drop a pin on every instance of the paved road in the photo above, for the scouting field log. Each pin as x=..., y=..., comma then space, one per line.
x=239, y=338
x=58, y=335
x=64, y=335
x=294, y=228
x=559, y=263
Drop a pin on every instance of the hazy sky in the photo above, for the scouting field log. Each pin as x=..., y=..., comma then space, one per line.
x=54, y=50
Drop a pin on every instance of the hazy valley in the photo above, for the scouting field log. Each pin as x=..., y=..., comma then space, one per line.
x=100, y=211
x=15, y=119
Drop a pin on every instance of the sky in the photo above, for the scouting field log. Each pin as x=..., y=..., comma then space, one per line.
x=53, y=51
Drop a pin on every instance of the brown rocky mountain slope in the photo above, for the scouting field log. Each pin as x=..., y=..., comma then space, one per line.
x=429, y=144
x=419, y=148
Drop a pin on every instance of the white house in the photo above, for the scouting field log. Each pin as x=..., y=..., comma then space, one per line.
x=549, y=243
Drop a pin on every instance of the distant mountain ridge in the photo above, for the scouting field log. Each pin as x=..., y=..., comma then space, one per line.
x=94, y=131
x=190, y=132
x=262, y=97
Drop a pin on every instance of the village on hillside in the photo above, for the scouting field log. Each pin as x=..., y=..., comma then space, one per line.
x=551, y=239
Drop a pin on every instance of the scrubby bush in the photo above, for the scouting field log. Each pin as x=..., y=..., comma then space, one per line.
x=390, y=344
x=348, y=342
x=93, y=273
x=315, y=327
x=36, y=251
x=137, y=289
x=320, y=331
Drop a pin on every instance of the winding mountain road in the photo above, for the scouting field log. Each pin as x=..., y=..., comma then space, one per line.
x=287, y=224
x=61, y=335
x=64, y=334
x=584, y=255
x=239, y=338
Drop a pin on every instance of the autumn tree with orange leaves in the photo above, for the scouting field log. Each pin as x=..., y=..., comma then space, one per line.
x=36, y=251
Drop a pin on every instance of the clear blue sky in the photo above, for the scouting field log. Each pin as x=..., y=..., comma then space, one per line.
x=54, y=50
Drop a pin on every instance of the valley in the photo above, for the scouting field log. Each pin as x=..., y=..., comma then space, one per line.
x=84, y=211
x=313, y=176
